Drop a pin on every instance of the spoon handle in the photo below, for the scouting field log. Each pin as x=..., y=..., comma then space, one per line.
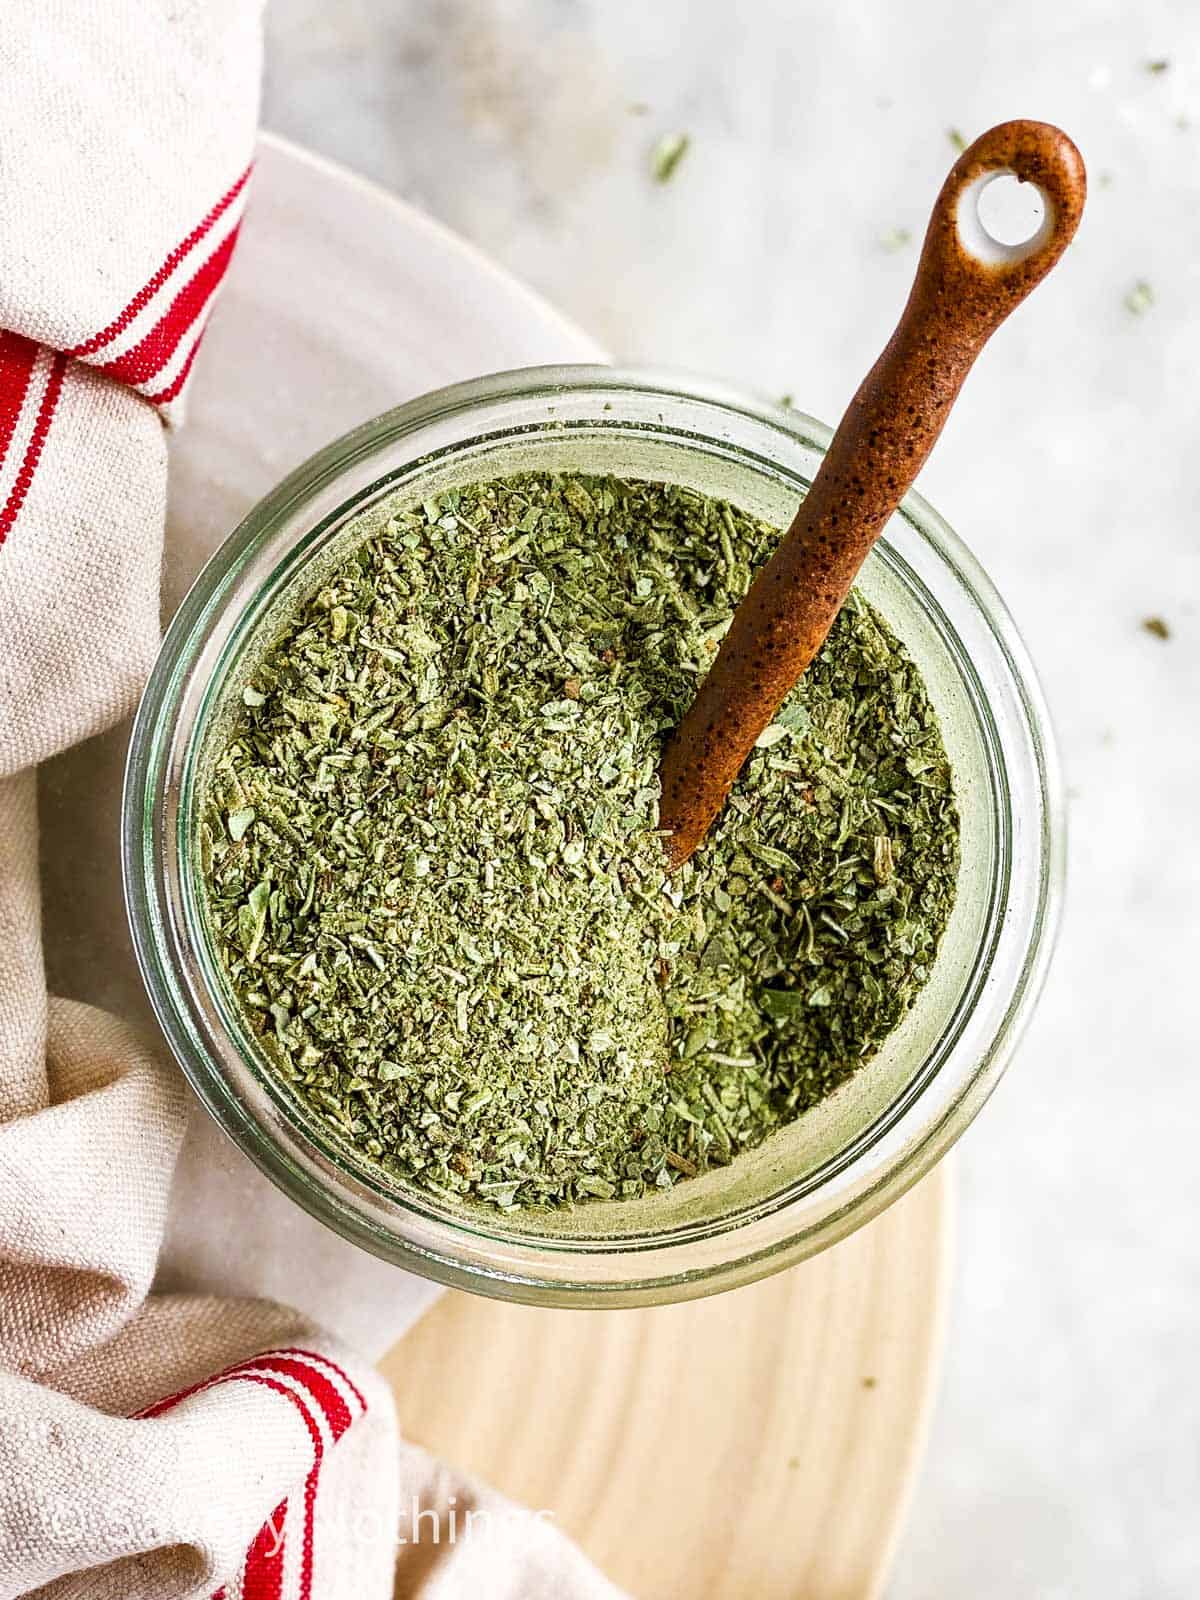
x=966, y=284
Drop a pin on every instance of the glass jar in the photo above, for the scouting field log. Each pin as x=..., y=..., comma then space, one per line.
x=843, y=1161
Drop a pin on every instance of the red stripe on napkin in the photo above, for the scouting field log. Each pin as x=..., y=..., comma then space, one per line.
x=144, y=295
x=311, y=1372
x=160, y=397
x=311, y=1355
x=310, y=1503
x=323, y=1391
x=17, y=358
x=263, y=1359
x=262, y=1576
x=310, y=1483
x=33, y=450
x=150, y=355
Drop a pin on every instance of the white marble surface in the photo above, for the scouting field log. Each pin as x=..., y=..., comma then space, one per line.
x=1064, y=1455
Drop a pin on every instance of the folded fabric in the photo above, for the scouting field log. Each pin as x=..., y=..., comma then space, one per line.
x=151, y=1447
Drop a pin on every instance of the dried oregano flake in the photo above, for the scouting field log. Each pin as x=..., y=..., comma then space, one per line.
x=434, y=882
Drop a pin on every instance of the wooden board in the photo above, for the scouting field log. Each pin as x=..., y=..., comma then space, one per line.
x=762, y=1442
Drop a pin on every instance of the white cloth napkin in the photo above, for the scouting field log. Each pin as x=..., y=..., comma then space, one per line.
x=151, y=1447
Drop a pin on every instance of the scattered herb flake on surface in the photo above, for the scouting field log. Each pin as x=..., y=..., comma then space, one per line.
x=668, y=153
x=1140, y=298
x=896, y=239
x=956, y=139
x=1157, y=68
x=434, y=881
x=1157, y=626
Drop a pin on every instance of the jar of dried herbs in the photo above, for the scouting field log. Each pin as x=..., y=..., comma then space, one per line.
x=397, y=882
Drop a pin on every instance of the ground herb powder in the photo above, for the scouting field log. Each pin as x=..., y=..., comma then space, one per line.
x=432, y=875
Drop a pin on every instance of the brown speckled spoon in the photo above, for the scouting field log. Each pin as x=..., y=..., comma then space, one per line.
x=966, y=284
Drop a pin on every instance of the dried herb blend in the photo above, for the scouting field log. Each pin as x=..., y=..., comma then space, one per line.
x=434, y=881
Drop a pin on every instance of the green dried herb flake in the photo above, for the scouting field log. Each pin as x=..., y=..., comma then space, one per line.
x=668, y=153
x=434, y=879
x=1140, y=298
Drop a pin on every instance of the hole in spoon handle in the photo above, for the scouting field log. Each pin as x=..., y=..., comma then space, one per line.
x=976, y=278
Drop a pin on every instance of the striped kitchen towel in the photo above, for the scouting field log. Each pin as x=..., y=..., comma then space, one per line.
x=152, y=1447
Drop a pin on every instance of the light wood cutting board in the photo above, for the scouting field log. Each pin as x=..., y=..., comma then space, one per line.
x=762, y=1442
